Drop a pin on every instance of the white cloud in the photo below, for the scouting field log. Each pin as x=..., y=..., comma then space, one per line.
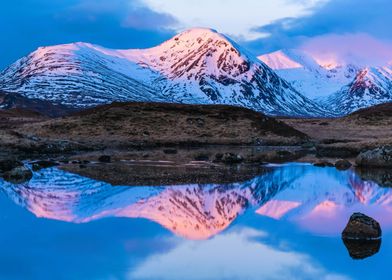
x=236, y=255
x=232, y=17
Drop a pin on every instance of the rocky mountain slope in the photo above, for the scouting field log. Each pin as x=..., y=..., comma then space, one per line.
x=197, y=66
x=371, y=86
x=341, y=88
x=307, y=75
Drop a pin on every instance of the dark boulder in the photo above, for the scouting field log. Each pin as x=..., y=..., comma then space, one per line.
x=336, y=150
x=9, y=164
x=41, y=164
x=105, y=159
x=202, y=157
x=323, y=163
x=229, y=158
x=170, y=151
x=362, y=227
x=18, y=175
x=379, y=157
x=361, y=249
x=279, y=156
x=343, y=164
x=218, y=157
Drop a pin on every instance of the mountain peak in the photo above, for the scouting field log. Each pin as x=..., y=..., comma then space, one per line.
x=306, y=74
x=280, y=59
x=198, y=39
x=371, y=86
x=196, y=31
x=199, y=34
x=198, y=66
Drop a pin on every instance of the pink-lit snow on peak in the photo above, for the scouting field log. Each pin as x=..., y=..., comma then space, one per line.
x=280, y=60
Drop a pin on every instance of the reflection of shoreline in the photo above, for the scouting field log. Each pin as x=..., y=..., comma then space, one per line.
x=381, y=176
x=158, y=173
x=317, y=199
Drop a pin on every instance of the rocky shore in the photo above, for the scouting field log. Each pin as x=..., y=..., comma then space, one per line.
x=201, y=139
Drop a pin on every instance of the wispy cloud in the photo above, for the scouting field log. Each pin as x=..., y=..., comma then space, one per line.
x=351, y=27
x=114, y=23
x=232, y=17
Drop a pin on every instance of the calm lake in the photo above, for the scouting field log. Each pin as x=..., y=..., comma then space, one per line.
x=283, y=224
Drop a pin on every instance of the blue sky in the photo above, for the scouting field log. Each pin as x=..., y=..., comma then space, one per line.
x=260, y=25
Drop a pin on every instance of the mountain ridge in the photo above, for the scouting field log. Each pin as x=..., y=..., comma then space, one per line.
x=342, y=88
x=197, y=66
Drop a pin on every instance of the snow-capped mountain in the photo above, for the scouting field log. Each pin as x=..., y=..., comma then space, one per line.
x=307, y=75
x=342, y=89
x=77, y=75
x=371, y=86
x=197, y=66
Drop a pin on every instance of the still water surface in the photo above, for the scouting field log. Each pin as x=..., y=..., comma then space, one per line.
x=284, y=224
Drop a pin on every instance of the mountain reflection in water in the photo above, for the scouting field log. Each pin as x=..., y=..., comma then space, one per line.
x=318, y=200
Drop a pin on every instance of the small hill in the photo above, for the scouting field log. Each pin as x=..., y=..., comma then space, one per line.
x=380, y=112
x=155, y=124
x=13, y=102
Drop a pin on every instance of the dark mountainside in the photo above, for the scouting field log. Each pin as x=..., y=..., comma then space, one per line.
x=42, y=107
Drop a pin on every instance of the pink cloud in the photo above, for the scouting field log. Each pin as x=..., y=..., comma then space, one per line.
x=359, y=48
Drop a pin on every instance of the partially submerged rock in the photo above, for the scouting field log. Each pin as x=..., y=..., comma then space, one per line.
x=18, y=175
x=343, y=164
x=104, y=159
x=361, y=249
x=170, y=151
x=323, y=163
x=362, y=227
x=229, y=158
x=41, y=164
x=202, y=157
x=379, y=157
x=9, y=164
x=277, y=156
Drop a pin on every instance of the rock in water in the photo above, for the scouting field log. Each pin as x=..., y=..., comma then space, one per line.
x=230, y=158
x=342, y=164
x=362, y=227
x=105, y=159
x=361, y=249
x=18, y=175
x=323, y=164
x=380, y=157
x=8, y=164
x=41, y=164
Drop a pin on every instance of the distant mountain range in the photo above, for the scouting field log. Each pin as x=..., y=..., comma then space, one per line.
x=198, y=66
x=340, y=88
